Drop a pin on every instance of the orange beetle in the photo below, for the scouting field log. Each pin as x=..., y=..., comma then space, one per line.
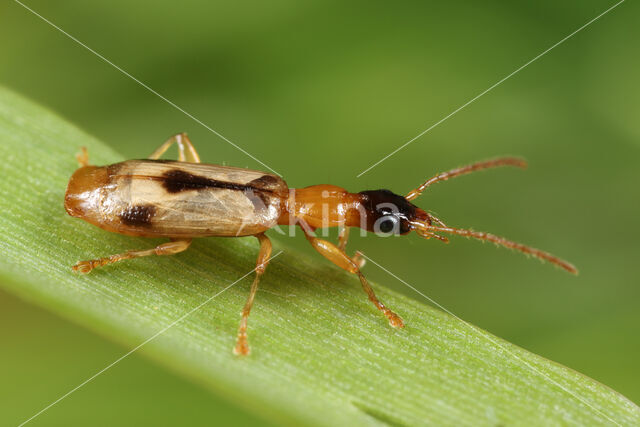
x=186, y=199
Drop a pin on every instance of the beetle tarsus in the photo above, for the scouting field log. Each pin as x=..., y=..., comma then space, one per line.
x=169, y=248
x=242, y=345
x=394, y=319
x=84, y=267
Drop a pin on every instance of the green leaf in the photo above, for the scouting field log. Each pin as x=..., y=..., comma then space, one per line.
x=322, y=354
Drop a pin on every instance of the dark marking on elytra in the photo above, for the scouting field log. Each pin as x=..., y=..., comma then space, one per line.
x=265, y=182
x=259, y=191
x=264, y=187
x=138, y=215
x=176, y=180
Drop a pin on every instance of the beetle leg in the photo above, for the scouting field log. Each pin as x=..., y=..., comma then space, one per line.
x=342, y=260
x=358, y=259
x=83, y=157
x=242, y=343
x=186, y=150
x=343, y=237
x=169, y=248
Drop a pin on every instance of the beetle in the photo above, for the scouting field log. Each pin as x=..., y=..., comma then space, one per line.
x=186, y=199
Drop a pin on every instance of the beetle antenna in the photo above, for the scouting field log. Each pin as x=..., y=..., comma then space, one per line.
x=428, y=231
x=487, y=164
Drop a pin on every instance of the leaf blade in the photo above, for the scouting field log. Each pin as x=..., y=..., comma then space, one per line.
x=321, y=353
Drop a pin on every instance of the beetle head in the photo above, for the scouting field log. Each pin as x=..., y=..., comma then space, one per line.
x=389, y=213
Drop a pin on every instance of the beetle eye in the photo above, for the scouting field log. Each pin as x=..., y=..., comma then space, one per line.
x=387, y=223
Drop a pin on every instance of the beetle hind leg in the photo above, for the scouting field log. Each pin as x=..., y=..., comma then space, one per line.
x=186, y=150
x=169, y=248
x=83, y=157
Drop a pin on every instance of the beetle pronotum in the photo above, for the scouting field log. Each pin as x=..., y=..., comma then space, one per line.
x=185, y=199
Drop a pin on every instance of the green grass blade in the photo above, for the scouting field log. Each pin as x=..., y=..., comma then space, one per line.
x=322, y=354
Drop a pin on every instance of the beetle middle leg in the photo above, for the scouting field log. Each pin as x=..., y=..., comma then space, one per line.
x=186, y=150
x=342, y=260
x=242, y=343
x=169, y=248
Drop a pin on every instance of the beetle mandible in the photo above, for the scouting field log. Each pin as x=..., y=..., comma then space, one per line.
x=185, y=199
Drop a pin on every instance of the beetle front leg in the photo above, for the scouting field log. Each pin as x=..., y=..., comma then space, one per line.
x=242, y=342
x=343, y=237
x=186, y=150
x=169, y=248
x=342, y=260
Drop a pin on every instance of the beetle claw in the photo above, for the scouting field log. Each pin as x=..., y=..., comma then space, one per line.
x=394, y=319
x=242, y=346
x=83, y=267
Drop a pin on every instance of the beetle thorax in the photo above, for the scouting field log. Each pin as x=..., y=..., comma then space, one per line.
x=321, y=206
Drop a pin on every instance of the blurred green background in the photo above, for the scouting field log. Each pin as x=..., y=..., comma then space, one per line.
x=319, y=91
